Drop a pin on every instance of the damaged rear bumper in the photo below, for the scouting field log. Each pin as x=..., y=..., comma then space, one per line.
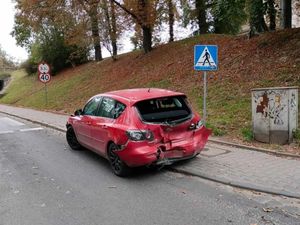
x=157, y=153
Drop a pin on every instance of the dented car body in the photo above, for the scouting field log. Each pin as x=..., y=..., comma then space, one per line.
x=138, y=127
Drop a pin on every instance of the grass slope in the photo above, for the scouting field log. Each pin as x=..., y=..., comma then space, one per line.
x=272, y=59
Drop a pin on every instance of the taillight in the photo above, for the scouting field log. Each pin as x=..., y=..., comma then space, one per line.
x=195, y=126
x=140, y=135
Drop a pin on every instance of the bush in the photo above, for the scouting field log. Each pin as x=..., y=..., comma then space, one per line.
x=247, y=134
x=296, y=136
x=4, y=75
x=216, y=130
x=29, y=66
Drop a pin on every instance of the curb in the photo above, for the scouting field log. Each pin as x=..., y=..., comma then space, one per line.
x=234, y=183
x=246, y=147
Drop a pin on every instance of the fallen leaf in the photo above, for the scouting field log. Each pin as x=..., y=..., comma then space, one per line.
x=268, y=210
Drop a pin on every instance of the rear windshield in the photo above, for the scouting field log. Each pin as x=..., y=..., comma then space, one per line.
x=164, y=110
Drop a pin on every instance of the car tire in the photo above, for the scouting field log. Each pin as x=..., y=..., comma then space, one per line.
x=118, y=166
x=72, y=139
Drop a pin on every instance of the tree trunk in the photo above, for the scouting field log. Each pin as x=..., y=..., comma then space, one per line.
x=272, y=14
x=114, y=29
x=257, y=21
x=109, y=21
x=201, y=16
x=95, y=32
x=171, y=20
x=286, y=13
x=147, y=39
x=141, y=18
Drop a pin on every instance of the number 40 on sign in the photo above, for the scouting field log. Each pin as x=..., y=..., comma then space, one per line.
x=44, y=77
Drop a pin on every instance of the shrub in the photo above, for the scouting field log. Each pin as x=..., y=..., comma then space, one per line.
x=29, y=66
x=247, y=134
x=296, y=136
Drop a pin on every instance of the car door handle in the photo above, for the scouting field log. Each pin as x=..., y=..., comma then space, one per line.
x=89, y=123
x=104, y=127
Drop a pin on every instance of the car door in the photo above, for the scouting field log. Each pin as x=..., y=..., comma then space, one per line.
x=101, y=130
x=83, y=124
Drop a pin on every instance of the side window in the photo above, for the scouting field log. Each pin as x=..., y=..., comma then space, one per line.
x=106, y=108
x=119, y=108
x=92, y=106
x=110, y=108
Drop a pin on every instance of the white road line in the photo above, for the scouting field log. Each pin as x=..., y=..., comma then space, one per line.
x=6, y=132
x=10, y=122
x=31, y=129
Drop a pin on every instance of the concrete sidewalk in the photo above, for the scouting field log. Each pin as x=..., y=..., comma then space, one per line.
x=228, y=165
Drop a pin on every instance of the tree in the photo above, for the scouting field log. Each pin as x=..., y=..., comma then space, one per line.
x=256, y=17
x=171, y=20
x=286, y=13
x=167, y=14
x=91, y=8
x=201, y=16
x=113, y=28
x=270, y=5
x=6, y=62
x=42, y=27
x=229, y=16
x=195, y=12
x=110, y=31
x=144, y=14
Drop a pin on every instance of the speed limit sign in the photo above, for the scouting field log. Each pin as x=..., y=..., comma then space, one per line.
x=44, y=77
x=43, y=68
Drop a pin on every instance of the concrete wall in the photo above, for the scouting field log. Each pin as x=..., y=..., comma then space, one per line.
x=274, y=114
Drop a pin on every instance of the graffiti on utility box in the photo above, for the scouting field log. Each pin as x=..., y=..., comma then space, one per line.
x=274, y=114
x=269, y=104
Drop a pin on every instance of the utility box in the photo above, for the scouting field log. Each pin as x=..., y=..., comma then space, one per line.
x=274, y=114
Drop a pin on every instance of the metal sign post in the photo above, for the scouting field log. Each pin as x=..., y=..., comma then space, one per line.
x=204, y=97
x=44, y=77
x=46, y=95
x=205, y=59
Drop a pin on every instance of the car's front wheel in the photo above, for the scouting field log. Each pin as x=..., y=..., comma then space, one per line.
x=72, y=140
x=117, y=165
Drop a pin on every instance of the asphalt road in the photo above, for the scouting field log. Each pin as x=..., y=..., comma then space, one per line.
x=42, y=181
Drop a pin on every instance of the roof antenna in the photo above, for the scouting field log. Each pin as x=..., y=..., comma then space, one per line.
x=149, y=89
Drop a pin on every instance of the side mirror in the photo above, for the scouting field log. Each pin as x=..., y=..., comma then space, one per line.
x=78, y=112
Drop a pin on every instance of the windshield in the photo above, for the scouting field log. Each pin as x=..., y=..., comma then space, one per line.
x=164, y=110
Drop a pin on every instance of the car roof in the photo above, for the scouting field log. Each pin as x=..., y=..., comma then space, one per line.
x=132, y=96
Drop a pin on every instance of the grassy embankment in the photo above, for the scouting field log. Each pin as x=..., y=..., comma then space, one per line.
x=272, y=59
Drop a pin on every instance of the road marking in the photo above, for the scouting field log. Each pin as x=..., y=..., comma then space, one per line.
x=6, y=132
x=31, y=129
x=10, y=122
x=21, y=130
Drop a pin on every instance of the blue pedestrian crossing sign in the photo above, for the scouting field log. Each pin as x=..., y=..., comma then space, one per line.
x=206, y=57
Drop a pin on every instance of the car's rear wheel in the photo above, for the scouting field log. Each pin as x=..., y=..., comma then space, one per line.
x=72, y=140
x=117, y=165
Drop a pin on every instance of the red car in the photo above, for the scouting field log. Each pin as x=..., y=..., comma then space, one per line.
x=138, y=127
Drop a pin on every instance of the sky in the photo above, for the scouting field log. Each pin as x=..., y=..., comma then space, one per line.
x=7, y=42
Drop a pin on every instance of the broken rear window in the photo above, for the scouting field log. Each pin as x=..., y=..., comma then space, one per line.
x=164, y=110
